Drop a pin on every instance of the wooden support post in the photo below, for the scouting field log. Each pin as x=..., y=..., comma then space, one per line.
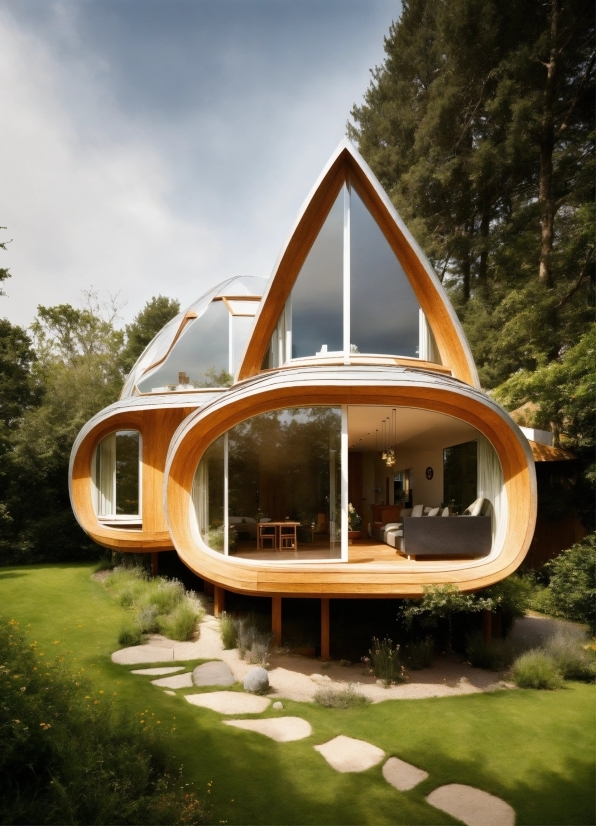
x=154, y=564
x=487, y=622
x=219, y=600
x=276, y=621
x=325, y=652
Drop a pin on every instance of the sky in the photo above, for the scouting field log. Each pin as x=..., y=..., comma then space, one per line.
x=161, y=146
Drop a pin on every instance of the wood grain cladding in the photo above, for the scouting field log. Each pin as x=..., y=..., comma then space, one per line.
x=157, y=428
x=341, y=579
x=454, y=354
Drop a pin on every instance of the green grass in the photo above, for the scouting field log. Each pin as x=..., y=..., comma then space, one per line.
x=533, y=749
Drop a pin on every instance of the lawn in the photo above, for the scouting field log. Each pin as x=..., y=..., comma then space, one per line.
x=533, y=749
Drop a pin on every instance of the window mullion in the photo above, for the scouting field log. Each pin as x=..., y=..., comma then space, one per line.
x=346, y=273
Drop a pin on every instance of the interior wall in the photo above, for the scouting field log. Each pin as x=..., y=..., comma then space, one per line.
x=383, y=475
x=426, y=492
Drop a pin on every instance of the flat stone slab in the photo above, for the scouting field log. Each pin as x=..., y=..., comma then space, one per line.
x=177, y=681
x=166, y=669
x=472, y=806
x=214, y=673
x=401, y=775
x=282, y=729
x=137, y=654
x=230, y=702
x=345, y=754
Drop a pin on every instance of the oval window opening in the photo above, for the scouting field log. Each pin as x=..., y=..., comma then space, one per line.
x=117, y=479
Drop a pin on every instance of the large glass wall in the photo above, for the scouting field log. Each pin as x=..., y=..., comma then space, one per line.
x=284, y=486
x=116, y=476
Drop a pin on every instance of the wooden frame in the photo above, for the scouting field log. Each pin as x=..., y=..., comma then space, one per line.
x=348, y=165
x=156, y=426
x=351, y=385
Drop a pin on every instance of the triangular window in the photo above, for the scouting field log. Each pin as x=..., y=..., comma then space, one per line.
x=351, y=296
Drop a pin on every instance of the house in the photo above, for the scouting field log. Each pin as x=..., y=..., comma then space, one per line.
x=257, y=418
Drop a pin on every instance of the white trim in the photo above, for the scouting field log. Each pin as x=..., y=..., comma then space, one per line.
x=344, y=483
x=346, y=273
x=226, y=519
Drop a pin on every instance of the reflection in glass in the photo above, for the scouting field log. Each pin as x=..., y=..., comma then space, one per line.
x=116, y=475
x=200, y=357
x=384, y=309
x=317, y=297
x=208, y=495
x=241, y=327
x=282, y=466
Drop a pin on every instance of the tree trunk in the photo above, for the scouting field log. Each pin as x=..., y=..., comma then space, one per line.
x=483, y=270
x=547, y=142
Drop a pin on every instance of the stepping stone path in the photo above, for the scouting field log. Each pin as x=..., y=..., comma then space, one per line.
x=213, y=673
x=156, y=671
x=282, y=729
x=345, y=754
x=177, y=681
x=402, y=776
x=143, y=654
x=472, y=806
x=229, y=702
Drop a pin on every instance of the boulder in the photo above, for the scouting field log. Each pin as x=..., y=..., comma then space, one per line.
x=256, y=681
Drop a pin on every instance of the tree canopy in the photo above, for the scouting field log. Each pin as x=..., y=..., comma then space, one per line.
x=480, y=126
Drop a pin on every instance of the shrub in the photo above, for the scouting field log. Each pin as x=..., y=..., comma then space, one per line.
x=130, y=634
x=567, y=649
x=228, y=631
x=418, y=654
x=68, y=756
x=147, y=619
x=164, y=594
x=385, y=661
x=181, y=623
x=572, y=586
x=259, y=651
x=535, y=669
x=341, y=698
x=496, y=655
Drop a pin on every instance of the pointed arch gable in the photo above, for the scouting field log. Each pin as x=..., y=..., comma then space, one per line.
x=347, y=165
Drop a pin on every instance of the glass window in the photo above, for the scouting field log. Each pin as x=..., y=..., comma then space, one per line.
x=383, y=307
x=460, y=475
x=116, y=476
x=317, y=297
x=208, y=495
x=241, y=327
x=284, y=471
x=200, y=357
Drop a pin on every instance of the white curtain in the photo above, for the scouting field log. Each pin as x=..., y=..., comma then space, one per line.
x=105, y=476
x=491, y=486
x=200, y=496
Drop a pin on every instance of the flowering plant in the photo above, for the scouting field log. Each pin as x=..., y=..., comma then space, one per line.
x=354, y=519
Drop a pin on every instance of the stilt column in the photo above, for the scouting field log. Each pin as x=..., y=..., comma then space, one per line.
x=276, y=621
x=219, y=600
x=325, y=652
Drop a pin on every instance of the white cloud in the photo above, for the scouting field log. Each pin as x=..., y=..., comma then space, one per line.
x=82, y=211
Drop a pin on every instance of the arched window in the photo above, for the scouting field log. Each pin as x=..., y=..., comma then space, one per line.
x=117, y=479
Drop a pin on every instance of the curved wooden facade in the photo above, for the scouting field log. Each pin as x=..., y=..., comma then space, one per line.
x=177, y=427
